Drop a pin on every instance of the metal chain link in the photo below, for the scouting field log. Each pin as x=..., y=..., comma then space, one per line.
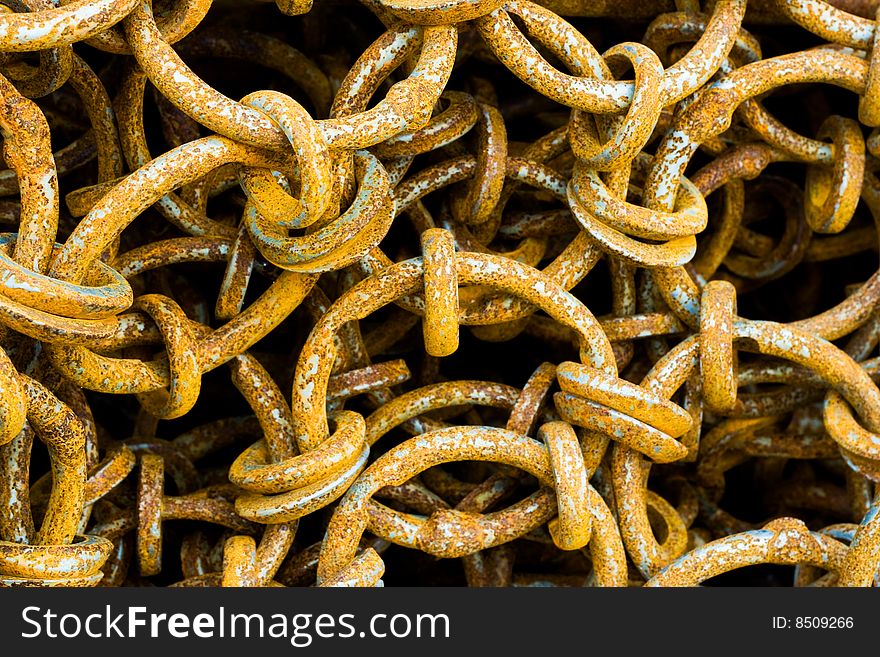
x=479, y=164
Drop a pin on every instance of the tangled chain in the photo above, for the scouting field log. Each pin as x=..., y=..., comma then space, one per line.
x=464, y=163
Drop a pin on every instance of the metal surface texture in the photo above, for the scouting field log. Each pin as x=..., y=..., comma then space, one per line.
x=507, y=293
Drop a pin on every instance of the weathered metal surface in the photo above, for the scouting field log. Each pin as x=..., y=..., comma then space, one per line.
x=481, y=168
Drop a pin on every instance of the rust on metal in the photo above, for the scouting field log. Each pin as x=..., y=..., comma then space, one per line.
x=527, y=306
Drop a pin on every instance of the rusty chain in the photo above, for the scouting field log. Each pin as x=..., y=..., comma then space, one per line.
x=476, y=281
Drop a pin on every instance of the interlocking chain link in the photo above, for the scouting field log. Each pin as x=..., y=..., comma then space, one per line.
x=390, y=221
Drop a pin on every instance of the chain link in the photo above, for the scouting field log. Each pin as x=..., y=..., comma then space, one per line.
x=482, y=169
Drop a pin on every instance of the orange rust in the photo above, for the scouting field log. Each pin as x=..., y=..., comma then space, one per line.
x=300, y=234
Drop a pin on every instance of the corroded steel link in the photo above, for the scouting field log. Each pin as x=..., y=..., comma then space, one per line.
x=576, y=230
x=13, y=409
x=55, y=64
x=716, y=104
x=27, y=150
x=243, y=566
x=630, y=472
x=449, y=125
x=77, y=564
x=523, y=416
x=128, y=376
x=711, y=112
x=168, y=252
x=239, y=267
x=610, y=221
x=717, y=355
x=634, y=129
x=441, y=293
x=314, y=381
x=860, y=563
x=303, y=483
x=58, y=26
x=62, y=432
x=365, y=570
x=869, y=109
x=831, y=197
x=173, y=25
x=484, y=191
x=336, y=244
x=138, y=191
x=366, y=379
x=441, y=13
x=784, y=255
x=622, y=411
x=154, y=507
x=262, y=49
x=831, y=23
x=568, y=268
x=782, y=541
x=313, y=372
x=313, y=165
x=118, y=462
x=239, y=562
x=404, y=278
x=190, y=94
x=352, y=516
x=183, y=389
x=433, y=397
x=519, y=55
x=129, y=108
x=56, y=556
x=572, y=529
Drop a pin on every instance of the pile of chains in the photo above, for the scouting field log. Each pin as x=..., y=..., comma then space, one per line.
x=474, y=271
